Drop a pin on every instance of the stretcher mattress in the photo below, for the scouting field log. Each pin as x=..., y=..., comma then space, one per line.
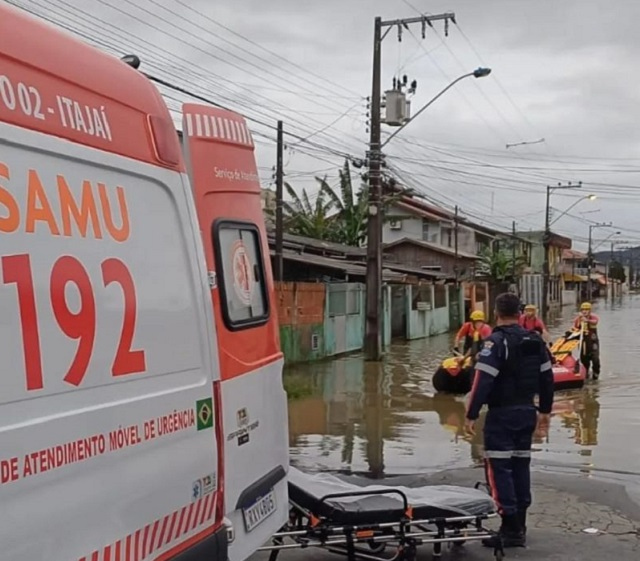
x=427, y=501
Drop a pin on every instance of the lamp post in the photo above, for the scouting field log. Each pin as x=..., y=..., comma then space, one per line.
x=585, y=198
x=373, y=286
x=592, y=227
x=546, y=241
x=477, y=73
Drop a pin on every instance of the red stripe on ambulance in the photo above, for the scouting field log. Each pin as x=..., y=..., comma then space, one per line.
x=228, y=129
x=142, y=543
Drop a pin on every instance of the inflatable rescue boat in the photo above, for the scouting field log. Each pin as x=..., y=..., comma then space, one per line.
x=451, y=377
x=568, y=371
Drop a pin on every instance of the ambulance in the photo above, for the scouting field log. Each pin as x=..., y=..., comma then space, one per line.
x=219, y=153
x=138, y=342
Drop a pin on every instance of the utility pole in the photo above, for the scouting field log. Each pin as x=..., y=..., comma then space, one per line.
x=455, y=244
x=546, y=242
x=374, y=304
x=608, y=276
x=373, y=326
x=279, y=272
x=513, y=251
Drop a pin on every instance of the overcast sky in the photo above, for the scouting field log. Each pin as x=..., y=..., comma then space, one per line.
x=562, y=71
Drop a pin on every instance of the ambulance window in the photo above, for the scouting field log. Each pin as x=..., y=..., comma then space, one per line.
x=243, y=290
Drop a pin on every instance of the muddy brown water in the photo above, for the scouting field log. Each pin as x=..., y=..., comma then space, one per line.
x=351, y=416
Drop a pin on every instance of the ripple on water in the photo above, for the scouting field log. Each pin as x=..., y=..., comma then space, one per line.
x=386, y=419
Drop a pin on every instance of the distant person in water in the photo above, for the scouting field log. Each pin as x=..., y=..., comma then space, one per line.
x=471, y=335
x=531, y=322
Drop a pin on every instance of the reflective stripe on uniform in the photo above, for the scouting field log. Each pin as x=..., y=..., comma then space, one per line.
x=506, y=454
x=492, y=371
x=546, y=366
x=521, y=453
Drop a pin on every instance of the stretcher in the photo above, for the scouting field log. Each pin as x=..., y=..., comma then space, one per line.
x=389, y=521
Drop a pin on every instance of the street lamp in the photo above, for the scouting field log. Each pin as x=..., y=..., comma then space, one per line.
x=585, y=198
x=373, y=285
x=592, y=227
x=547, y=242
x=477, y=73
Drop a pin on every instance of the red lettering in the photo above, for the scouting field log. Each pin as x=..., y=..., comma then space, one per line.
x=17, y=269
x=126, y=361
x=83, y=215
x=10, y=222
x=43, y=213
x=81, y=325
x=118, y=234
x=149, y=430
x=9, y=470
x=26, y=470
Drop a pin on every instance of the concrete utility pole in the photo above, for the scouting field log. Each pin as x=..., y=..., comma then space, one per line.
x=546, y=241
x=513, y=251
x=608, y=275
x=456, y=268
x=592, y=227
x=374, y=304
x=279, y=272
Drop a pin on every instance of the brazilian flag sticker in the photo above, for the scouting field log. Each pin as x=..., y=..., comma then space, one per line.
x=204, y=413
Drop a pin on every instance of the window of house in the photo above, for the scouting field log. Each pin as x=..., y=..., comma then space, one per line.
x=430, y=231
x=241, y=274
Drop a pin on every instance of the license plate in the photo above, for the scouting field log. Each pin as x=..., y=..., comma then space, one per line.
x=259, y=511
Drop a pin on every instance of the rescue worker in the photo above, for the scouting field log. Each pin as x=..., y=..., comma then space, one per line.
x=471, y=335
x=531, y=322
x=513, y=366
x=590, y=351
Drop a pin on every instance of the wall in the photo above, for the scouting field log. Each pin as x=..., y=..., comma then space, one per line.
x=411, y=226
x=301, y=308
x=569, y=298
x=320, y=320
x=531, y=290
x=414, y=255
x=344, y=318
x=427, y=313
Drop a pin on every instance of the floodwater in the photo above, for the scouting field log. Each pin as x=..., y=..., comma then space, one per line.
x=381, y=419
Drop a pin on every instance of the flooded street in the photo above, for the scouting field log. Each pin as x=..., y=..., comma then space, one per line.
x=348, y=415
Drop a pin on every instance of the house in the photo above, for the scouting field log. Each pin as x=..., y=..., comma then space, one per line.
x=423, y=235
x=575, y=272
x=557, y=244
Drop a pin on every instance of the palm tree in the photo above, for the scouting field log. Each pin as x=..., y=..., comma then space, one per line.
x=304, y=218
x=499, y=265
x=336, y=215
x=351, y=218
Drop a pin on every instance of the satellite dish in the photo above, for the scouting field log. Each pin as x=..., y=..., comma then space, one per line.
x=131, y=60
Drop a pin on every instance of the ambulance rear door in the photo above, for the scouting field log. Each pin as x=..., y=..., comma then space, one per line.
x=220, y=159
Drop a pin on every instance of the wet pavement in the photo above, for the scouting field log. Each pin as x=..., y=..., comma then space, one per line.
x=354, y=417
x=350, y=416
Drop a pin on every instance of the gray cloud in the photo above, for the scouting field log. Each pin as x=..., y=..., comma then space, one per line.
x=569, y=66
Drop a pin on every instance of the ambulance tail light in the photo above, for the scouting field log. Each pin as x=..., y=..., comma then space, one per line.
x=165, y=140
x=217, y=406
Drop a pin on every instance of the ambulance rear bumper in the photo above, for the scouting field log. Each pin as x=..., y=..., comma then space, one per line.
x=211, y=548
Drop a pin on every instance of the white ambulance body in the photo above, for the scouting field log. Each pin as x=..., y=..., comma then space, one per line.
x=219, y=152
x=110, y=432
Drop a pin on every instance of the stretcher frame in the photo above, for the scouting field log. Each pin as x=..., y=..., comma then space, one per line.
x=369, y=542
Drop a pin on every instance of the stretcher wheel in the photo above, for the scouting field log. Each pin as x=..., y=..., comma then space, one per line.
x=376, y=547
x=499, y=555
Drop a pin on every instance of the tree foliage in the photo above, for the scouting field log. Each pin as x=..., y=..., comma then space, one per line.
x=336, y=214
x=616, y=271
x=499, y=265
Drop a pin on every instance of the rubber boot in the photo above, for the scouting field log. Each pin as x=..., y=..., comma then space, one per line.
x=510, y=534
